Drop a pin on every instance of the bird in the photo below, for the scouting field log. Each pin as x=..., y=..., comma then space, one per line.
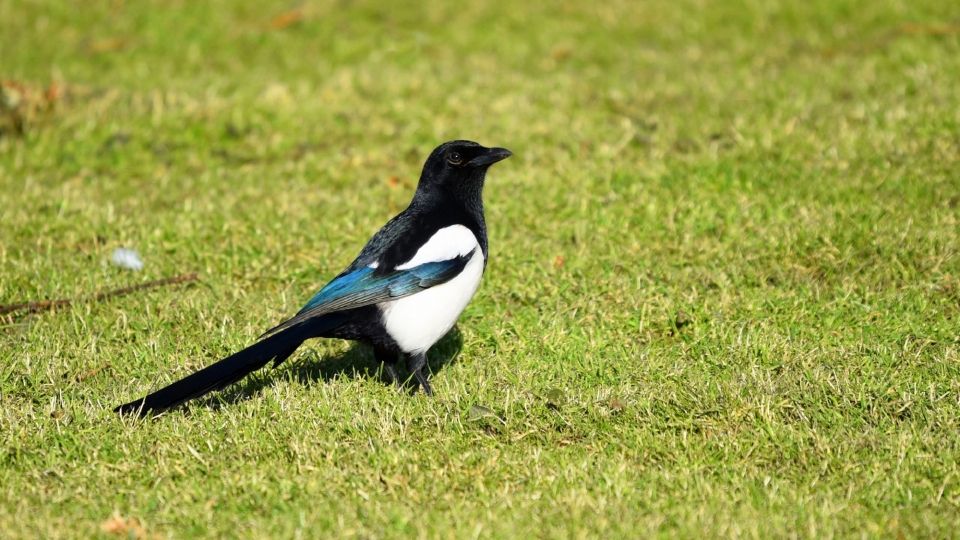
x=401, y=294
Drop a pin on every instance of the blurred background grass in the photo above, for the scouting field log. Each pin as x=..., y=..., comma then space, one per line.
x=722, y=298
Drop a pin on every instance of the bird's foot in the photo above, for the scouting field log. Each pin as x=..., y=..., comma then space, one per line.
x=391, y=371
x=422, y=379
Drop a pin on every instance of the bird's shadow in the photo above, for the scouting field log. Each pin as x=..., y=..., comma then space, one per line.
x=355, y=362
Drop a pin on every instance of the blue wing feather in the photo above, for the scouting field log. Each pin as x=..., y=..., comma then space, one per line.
x=363, y=287
x=339, y=286
x=363, y=283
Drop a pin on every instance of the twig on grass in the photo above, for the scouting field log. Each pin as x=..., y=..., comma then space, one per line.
x=885, y=39
x=36, y=307
x=91, y=373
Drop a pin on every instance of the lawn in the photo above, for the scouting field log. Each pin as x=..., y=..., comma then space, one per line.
x=723, y=295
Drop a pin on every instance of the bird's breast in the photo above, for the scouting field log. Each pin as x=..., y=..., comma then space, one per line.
x=418, y=321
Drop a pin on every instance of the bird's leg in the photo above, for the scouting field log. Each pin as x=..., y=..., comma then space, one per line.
x=389, y=360
x=415, y=364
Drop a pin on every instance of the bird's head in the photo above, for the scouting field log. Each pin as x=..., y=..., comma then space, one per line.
x=460, y=167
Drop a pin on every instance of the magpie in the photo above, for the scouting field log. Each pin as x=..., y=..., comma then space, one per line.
x=402, y=293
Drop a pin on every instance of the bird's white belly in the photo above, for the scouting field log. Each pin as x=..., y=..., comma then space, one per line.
x=418, y=321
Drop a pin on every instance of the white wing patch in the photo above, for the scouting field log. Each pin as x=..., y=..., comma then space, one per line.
x=447, y=243
x=418, y=321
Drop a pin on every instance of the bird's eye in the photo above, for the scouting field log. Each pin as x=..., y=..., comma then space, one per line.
x=455, y=158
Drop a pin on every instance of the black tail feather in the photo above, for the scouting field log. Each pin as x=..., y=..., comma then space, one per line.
x=231, y=369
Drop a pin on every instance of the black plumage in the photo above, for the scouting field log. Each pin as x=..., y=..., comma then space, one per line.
x=405, y=288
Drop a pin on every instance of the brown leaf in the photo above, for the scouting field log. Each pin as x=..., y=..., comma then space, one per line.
x=54, y=92
x=286, y=19
x=917, y=29
x=558, y=262
x=107, y=45
x=121, y=526
x=560, y=53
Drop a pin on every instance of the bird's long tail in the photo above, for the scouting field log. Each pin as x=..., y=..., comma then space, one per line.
x=277, y=347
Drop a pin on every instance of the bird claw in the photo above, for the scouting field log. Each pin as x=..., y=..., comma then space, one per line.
x=422, y=379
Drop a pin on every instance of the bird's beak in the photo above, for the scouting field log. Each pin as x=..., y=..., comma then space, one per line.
x=492, y=156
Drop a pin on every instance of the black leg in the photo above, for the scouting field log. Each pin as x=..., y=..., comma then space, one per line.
x=424, y=383
x=389, y=360
x=416, y=364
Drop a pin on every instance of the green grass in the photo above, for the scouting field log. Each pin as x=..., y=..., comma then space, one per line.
x=780, y=178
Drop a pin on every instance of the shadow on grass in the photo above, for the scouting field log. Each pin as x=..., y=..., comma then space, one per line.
x=356, y=362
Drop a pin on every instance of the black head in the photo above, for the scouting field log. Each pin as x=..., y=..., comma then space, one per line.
x=459, y=167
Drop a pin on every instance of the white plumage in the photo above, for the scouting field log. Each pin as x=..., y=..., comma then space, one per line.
x=447, y=243
x=418, y=321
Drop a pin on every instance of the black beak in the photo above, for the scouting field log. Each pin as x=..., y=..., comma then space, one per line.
x=492, y=156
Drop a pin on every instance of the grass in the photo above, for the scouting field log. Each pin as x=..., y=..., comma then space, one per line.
x=722, y=299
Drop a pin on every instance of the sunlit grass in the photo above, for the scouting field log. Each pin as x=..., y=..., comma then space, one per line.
x=722, y=298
